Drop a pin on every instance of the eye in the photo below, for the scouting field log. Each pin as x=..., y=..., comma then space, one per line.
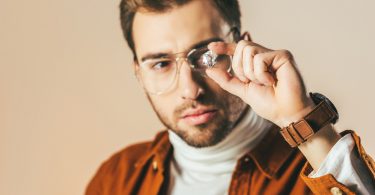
x=161, y=65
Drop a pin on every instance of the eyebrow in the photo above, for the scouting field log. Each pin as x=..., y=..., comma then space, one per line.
x=200, y=44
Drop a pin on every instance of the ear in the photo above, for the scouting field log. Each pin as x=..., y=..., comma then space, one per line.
x=135, y=65
x=246, y=36
x=136, y=68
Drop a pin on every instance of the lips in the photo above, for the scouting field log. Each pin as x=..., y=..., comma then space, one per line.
x=198, y=116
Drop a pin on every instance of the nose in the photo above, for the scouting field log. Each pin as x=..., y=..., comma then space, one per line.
x=188, y=83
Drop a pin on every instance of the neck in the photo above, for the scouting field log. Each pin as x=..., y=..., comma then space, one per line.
x=222, y=157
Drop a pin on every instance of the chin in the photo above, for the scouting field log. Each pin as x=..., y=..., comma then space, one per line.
x=203, y=135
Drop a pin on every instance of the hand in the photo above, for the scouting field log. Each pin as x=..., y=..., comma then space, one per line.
x=266, y=79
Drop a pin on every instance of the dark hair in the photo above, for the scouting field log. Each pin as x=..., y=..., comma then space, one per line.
x=229, y=10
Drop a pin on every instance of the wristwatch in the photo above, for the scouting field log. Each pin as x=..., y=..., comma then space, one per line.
x=324, y=113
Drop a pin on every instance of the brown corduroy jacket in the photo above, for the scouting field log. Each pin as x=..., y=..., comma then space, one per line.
x=272, y=167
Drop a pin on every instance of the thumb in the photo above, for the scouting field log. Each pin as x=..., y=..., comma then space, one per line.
x=227, y=81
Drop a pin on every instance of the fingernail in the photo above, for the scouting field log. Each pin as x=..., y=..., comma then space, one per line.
x=212, y=44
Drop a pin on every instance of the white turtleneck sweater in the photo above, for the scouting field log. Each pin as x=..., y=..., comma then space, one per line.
x=194, y=170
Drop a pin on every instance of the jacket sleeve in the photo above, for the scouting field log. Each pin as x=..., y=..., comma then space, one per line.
x=347, y=169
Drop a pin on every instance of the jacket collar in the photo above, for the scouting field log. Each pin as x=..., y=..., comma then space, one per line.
x=269, y=155
x=159, y=150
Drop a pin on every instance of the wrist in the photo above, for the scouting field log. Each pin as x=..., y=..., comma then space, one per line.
x=298, y=115
x=298, y=132
x=317, y=147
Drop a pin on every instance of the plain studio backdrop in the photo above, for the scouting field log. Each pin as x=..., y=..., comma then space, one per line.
x=69, y=98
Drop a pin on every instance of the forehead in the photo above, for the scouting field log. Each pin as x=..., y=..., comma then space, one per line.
x=176, y=30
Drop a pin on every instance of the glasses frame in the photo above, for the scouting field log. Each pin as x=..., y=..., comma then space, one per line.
x=184, y=56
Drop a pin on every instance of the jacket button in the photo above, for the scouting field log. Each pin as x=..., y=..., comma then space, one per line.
x=336, y=191
x=155, y=165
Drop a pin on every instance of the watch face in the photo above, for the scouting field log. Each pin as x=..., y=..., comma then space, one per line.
x=317, y=98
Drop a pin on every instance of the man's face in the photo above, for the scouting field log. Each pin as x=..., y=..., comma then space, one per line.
x=196, y=109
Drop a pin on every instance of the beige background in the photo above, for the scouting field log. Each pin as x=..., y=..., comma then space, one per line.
x=68, y=97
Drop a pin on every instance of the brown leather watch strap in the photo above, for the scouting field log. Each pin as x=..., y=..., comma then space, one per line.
x=298, y=132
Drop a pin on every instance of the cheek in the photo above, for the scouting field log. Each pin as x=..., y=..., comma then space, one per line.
x=164, y=106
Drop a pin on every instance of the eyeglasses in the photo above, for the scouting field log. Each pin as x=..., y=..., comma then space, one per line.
x=159, y=75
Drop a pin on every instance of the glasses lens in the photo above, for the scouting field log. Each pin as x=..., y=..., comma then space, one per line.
x=203, y=58
x=158, y=75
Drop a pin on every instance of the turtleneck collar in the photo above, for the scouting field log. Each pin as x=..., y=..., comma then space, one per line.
x=204, y=164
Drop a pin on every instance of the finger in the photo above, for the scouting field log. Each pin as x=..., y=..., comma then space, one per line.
x=237, y=61
x=222, y=48
x=276, y=59
x=262, y=62
x=226, y=81
x=234, y=50
x=248, y=67
x=281, y=58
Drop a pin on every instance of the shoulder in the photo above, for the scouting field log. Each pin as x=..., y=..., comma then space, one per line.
x=127, y=156
x=121, y=164
x=130, y=155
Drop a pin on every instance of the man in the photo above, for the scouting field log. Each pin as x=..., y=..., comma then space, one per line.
x=224, y=100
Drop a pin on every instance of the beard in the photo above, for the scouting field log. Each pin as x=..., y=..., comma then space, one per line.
x=229, y=108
